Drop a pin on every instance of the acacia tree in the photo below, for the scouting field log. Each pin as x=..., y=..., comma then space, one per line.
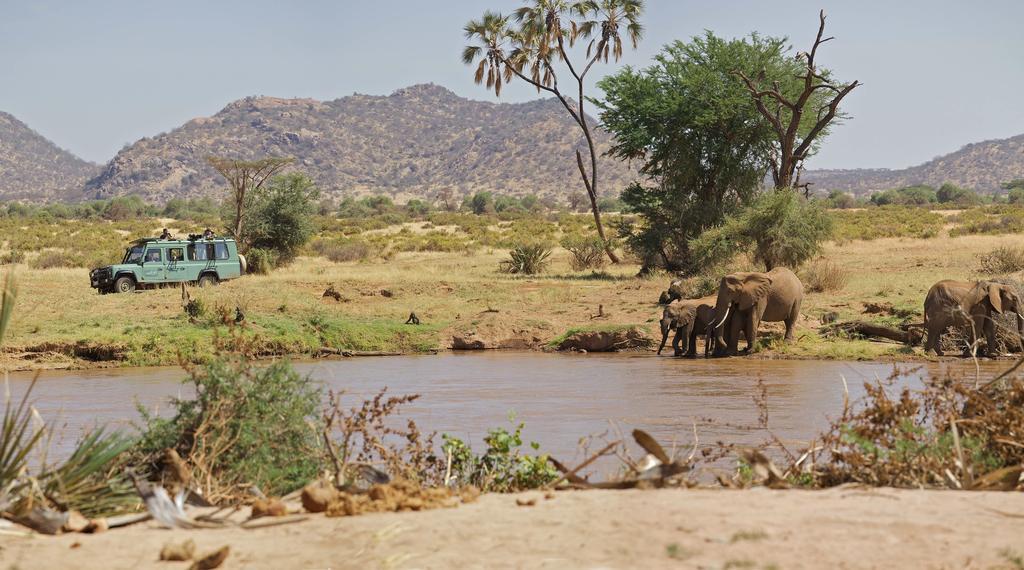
x=786, y=114
x=245, y=177
x=545, y=35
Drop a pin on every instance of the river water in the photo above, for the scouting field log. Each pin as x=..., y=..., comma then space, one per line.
x=560, y=397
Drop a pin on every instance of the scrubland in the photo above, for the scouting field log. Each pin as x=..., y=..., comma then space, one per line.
x=445, y=268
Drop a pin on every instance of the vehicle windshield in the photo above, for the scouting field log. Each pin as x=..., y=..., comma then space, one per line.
x=133, y=254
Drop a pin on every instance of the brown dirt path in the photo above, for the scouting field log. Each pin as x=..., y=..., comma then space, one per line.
x=840, y=528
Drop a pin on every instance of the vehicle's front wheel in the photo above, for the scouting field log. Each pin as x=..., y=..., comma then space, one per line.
x=207, y=280
x=124, y=285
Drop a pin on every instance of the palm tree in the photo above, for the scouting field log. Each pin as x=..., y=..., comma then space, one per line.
x=549, y=29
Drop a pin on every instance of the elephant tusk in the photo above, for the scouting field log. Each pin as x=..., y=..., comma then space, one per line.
x=726, y=316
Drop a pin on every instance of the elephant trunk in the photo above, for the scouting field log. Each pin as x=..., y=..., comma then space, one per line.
x=665, y=327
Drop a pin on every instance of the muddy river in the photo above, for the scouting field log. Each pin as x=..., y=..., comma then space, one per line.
x=561, y=398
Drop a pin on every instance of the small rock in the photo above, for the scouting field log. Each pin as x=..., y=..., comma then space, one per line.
x=75, y=522
x=178, y=552
x=212, y=560
x=386, y=293
x=97, y=526
x=269, y=508
x=526, y=502
x=317, y=495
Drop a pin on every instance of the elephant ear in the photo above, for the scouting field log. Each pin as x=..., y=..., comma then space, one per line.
x=685, y=316
x=995, y=297
x=755, y=287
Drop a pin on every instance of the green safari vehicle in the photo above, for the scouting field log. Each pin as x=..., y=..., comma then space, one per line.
x=151, y=262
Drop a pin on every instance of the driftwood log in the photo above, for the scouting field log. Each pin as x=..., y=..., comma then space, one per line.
x=326, y=350
x=906, y=334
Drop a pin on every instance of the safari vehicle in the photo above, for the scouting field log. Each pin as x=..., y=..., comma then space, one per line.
x=151, y=262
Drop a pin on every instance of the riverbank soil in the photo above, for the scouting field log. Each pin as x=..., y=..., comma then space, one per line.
x=461, y=299
x=849, y=527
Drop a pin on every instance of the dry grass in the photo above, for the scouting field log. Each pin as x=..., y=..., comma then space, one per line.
x=822, y=275
x=448, y=291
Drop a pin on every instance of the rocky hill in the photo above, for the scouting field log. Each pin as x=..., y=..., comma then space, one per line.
x=414, y=142
x=981, y=166
x=32, y=167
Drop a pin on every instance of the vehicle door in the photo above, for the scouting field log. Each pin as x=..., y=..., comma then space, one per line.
x=200, y=257
x=153, y=270
x=177, y=267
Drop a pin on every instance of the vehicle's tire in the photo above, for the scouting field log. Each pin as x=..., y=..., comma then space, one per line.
x=124, y=285
x=207, y=280
x=243, y=265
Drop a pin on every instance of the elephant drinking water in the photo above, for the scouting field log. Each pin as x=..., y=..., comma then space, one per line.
x=689, y=319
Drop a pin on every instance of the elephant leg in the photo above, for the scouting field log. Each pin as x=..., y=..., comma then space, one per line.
x=750, y=331
x=681, y=333
x=935, y=328
x=991, y=348
x=791, y=321
x=734, y=332
x=691, y=344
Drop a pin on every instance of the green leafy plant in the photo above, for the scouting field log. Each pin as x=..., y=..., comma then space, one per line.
x=527, y=259
x=247, y=425
x=503, y=467
x=586, y=252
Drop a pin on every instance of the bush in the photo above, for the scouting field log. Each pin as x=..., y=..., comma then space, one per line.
x=996, y=219
x=282, y=217
x=245, y=426
x=908, y=196
x=822, y=275
x=503, y=467
x=52, y=259
x=781, y=229
x=886, y=221
x=344, y=250
x=586, y=252
x=261, y=261
x=13, y=256
x=1002, y=260
x=527, y=259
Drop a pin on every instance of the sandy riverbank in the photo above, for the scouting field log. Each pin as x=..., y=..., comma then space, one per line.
x=850, y=527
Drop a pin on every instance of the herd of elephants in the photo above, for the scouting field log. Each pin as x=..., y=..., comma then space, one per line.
x=744, y=300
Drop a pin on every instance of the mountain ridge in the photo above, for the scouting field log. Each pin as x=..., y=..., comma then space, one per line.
x=982, y=166
x=411, y=143
x=34, y=168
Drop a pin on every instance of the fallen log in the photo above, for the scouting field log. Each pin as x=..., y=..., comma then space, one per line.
x=910, y=336
x=326, y=350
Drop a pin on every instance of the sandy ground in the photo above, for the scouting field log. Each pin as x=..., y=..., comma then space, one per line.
x=848, y=527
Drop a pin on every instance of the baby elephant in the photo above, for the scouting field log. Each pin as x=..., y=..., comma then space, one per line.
x=689, y=318
x=970, y=306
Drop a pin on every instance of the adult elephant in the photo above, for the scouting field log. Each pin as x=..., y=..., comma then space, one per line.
x=751, y=298
x=970, y=306
x=689, y=319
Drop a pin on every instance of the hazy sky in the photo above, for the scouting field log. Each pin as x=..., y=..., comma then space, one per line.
x=95, y=75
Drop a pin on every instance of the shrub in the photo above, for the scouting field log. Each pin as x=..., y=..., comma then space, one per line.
x=1002, y=260
x=244, y=426
x=13, y=256
x=997, y=219
x=822, y=275
x=586, y=252
x=261, y=261
x=528, y=259
x=886, y=221
x=502, y=467
x=344, y=250
x=781, y=229
x=195, y=308
x=282, y=218
x=51, y=259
